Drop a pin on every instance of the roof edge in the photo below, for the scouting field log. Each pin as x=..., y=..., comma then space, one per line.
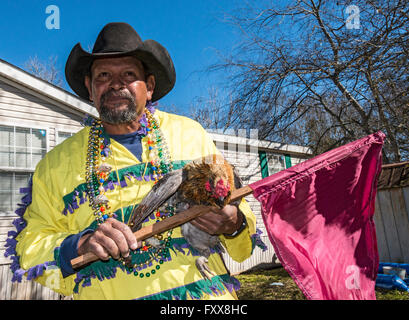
x=36, y=84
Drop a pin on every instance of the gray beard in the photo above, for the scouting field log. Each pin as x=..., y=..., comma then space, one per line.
x=116, y=116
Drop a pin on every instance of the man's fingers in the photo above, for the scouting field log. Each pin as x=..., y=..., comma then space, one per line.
x=208, y=222
x=217, y=221
x=128, y=234
x=112, y=238
x=101, y=252
x=119, y=241
x=96, y=245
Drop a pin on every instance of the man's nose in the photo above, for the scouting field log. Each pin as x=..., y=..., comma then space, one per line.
x=117, y=83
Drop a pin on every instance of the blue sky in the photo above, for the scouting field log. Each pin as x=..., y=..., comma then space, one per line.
x=191, y=30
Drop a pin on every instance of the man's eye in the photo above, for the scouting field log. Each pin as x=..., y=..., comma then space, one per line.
x=103, y=75
x=129, y=73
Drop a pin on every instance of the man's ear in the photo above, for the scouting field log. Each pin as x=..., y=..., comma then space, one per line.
x=150, y=86
x=87, y=82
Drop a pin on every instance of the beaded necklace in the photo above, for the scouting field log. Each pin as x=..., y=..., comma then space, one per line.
x=97, y=173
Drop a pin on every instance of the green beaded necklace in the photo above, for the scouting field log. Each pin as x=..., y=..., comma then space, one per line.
x=97, y=173
x=157, y=254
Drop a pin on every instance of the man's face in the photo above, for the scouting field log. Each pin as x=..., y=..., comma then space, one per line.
x=118, y=89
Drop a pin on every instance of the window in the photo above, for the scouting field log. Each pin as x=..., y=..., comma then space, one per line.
x=10, y=185
x=271, y=163
x=61, y=136
x=20, y=151
x=21, y=147
x=276, y=162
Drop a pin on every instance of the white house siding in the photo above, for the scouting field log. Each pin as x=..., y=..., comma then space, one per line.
x=20, y=108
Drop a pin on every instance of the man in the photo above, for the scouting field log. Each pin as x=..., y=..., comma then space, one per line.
x=109, y=166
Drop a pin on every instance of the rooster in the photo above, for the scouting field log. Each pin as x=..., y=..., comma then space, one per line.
x=207, y=181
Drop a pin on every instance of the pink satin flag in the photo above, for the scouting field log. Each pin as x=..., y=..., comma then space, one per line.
x=319, y=218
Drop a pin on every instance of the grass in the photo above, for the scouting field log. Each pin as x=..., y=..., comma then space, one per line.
x=257, y=285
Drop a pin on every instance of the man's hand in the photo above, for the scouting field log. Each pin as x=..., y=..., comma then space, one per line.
x=218, y=222
x=112, y=238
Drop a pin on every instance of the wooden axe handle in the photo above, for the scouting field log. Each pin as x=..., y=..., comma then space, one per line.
x=164, y=225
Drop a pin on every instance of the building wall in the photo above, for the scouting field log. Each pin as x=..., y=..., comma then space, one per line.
x=20, y=108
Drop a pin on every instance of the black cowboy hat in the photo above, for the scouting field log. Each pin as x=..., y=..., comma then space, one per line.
x=119, y=39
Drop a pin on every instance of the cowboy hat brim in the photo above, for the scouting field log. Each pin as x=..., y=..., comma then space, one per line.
x=152, y=54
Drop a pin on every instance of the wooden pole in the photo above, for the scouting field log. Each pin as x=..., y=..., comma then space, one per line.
x=164, y=225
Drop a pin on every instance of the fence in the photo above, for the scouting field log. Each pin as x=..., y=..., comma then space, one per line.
x=392, y=213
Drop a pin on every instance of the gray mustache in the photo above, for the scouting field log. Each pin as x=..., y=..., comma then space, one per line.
x=117, y=94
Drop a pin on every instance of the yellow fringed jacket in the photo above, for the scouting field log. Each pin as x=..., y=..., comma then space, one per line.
x=58, y=207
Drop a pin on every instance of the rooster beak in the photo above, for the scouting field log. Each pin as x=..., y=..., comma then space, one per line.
x=220, y=201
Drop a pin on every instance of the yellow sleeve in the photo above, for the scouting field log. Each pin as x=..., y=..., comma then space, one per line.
x=241, y=247
x=37, y=244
